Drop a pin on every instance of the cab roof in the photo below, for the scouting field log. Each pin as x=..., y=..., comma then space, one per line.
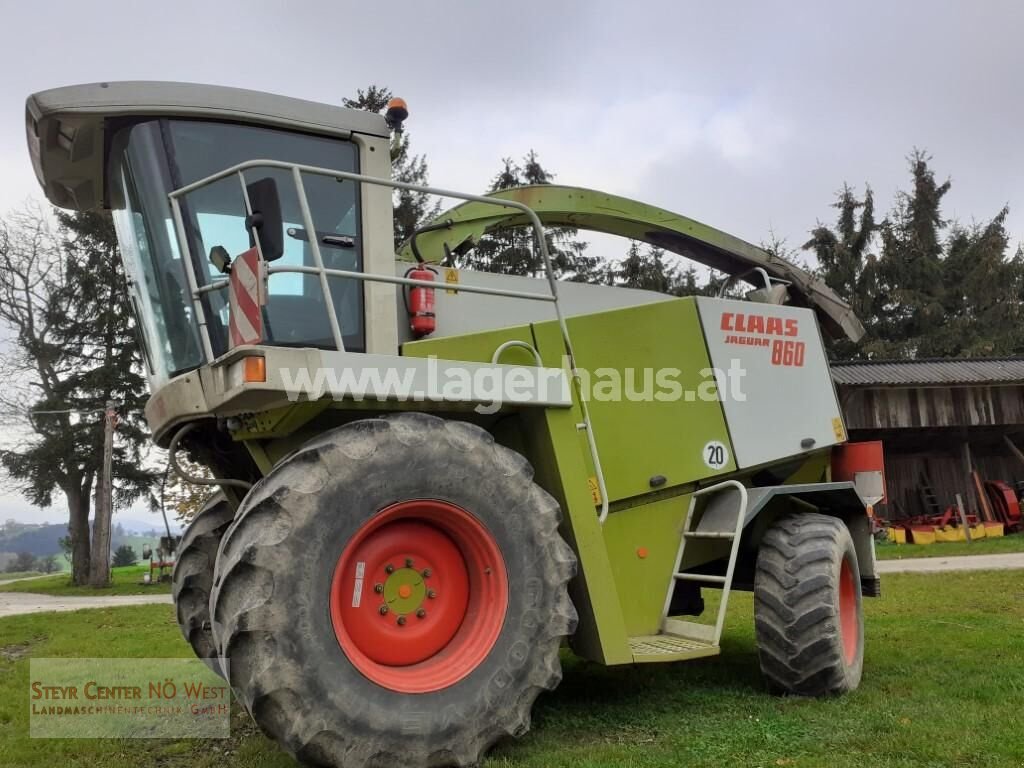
x=66, y=127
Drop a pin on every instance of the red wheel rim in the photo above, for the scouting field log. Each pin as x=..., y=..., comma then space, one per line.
x=419, y=596
x=849, y=621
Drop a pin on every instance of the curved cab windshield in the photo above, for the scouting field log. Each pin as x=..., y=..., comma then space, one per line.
x=159, y=156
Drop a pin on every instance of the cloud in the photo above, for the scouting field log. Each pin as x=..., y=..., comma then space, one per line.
x=745, y=114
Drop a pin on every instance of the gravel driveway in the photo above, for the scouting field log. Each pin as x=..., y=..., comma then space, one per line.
x=16, y=603
x=963, y=563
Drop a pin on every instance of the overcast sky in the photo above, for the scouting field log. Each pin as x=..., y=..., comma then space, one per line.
x=745, y=115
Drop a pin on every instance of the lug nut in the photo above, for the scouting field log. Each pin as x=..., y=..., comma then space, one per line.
x=401, y=621
x=426, y=573
x=378, y=588
x=421, y=614
x=431, y=594
x=383, y=609
x=408, y=562
x=389, y=568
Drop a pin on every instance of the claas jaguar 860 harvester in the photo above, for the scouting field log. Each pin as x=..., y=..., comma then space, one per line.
x=431, y=478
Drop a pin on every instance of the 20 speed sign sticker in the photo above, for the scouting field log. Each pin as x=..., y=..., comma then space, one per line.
x=715, y=454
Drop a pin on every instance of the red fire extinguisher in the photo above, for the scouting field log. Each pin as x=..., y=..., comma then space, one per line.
x=420, y=302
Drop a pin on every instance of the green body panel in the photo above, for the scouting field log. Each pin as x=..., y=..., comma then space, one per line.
x=652, y=530
x=553, y=447
x=639, y=440
x=278, y=422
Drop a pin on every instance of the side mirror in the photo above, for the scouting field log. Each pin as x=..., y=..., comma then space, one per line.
x=266, y=218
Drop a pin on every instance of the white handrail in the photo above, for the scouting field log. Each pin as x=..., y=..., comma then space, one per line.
x=297, y=170
x=516, y=344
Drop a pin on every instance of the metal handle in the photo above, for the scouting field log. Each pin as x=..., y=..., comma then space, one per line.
x=514, y=343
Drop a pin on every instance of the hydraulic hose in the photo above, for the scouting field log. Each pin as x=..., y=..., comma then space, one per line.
x=172, y=459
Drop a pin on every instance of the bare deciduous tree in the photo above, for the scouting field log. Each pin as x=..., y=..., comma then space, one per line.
x=65, y=349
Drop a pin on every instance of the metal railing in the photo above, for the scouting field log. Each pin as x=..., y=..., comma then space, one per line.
x=297, y=170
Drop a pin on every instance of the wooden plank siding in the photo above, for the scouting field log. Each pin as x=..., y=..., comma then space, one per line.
x=925, y=429
x=929, y=407
x=947, y=475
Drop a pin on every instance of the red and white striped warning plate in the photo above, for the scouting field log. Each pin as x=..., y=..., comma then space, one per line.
x=246, y=299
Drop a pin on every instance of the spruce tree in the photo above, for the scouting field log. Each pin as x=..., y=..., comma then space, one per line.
x=513, y=250
x=910, y=267
x=648, y=267
x=846, y=264
x=981, y=303
x=936, y=289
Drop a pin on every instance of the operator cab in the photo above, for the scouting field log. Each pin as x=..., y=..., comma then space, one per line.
x=151, y=159
x=126, y=147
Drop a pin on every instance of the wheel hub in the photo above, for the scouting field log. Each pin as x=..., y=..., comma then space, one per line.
x=419, y=595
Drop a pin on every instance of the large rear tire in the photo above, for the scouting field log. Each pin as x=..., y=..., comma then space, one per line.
x=807, y=607
x=192, y=579
x=394, y=593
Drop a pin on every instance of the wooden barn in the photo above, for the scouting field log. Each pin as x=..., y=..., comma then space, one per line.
x=938, y=420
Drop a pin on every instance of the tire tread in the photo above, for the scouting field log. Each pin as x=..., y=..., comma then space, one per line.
x=795, y=606
x=241, y=606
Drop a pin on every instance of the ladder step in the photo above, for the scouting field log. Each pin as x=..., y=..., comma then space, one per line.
x=670, y=648
x=710, y=535
x=689, y=630
x=700, y=577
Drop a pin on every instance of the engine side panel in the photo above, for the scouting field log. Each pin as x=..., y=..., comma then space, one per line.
x=786, y=404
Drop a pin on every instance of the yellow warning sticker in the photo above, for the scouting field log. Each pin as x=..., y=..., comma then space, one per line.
x=837, y=429
x=595, y=489
x=451, y=277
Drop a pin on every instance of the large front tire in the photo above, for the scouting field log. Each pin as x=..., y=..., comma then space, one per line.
x=192, y=579
x=807, y=607
x=377, y=515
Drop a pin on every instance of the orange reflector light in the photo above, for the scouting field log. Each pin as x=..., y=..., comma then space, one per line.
x=398, y=103
x=255, y=370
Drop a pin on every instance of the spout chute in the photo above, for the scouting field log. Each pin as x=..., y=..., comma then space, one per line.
x=588, y=209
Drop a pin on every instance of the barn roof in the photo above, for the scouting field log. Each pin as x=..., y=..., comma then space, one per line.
x=978, y=370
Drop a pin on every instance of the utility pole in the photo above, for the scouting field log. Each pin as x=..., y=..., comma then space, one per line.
x=100, y=560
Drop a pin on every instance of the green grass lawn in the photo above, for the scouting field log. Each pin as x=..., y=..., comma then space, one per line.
x=125, y=582
x=1003, y=545
x=944, y=676
x=19, y=575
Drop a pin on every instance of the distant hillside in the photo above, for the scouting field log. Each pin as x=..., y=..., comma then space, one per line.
x=40, y=540
x=43, y=540
x=155, y=523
